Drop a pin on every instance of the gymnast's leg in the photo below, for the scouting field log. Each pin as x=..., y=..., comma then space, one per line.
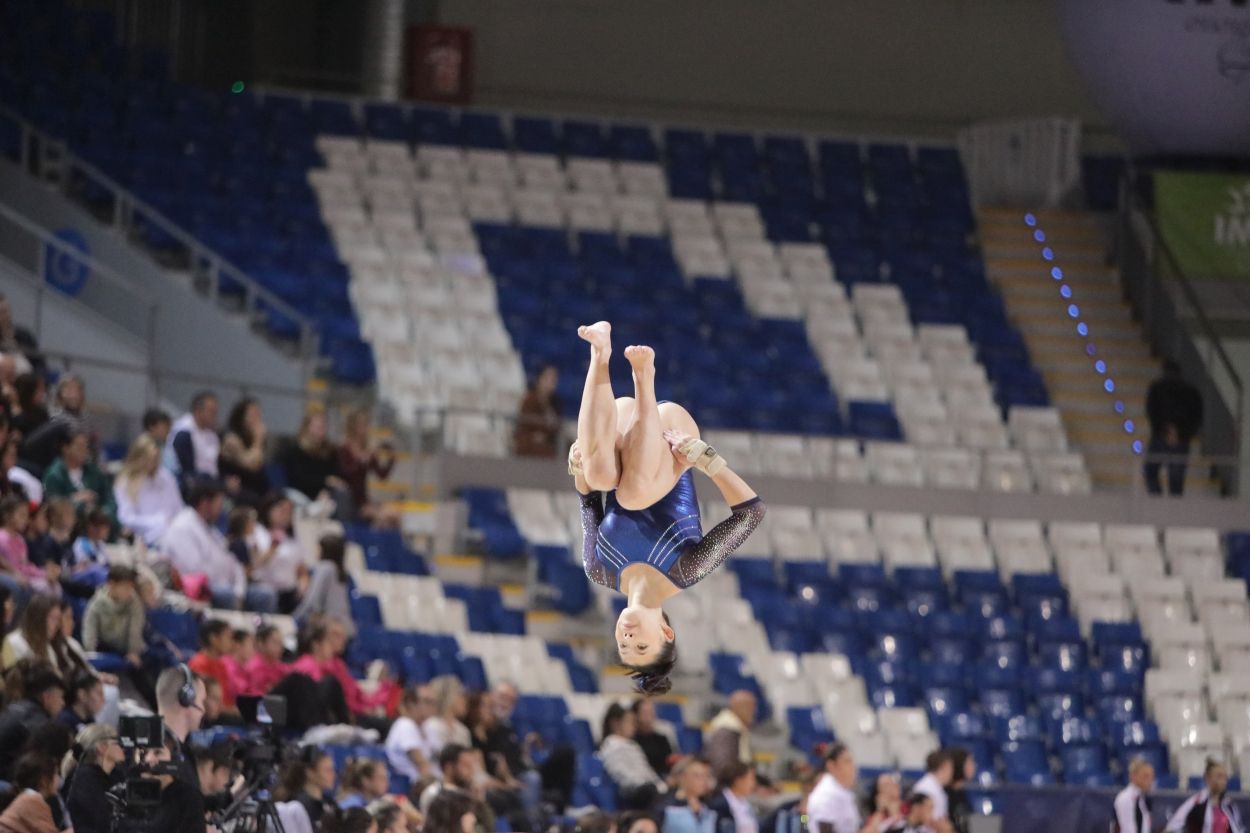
x=596, y=420
x=649, y=470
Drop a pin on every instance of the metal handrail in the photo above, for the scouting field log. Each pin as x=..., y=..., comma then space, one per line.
x=125, y=206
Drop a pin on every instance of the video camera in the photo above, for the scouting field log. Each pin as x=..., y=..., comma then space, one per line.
x=257, y=756
x=135, y=800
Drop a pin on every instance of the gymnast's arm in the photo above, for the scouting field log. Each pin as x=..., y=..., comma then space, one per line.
x=592, y=516
x=702, y=559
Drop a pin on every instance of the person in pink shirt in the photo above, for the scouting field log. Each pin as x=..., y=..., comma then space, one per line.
x=323, y=643
x=14, y=517
x=242, y=649
x=265, y=668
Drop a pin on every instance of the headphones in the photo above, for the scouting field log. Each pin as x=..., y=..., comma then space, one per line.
x=186, y=692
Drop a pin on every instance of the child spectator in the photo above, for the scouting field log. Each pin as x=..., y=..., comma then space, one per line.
x=51, y=533
x=277, y=559
x=327, y=591
x=115, y=618
x=242, y=649
x=14, y=559
x=208, y=661
x=265, y=668
x=240, y=531
x=90, y=564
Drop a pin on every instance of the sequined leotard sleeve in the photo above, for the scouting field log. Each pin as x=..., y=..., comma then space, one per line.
x=592, y=516
x=701, y=560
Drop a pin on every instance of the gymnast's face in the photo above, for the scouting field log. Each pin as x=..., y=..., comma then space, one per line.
x=641, y=634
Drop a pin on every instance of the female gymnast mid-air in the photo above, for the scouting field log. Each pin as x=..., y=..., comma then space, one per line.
x=631, y=463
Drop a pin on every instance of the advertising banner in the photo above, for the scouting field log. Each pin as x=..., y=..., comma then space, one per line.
x=1205, y=221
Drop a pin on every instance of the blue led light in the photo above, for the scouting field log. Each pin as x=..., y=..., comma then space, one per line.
x=1030, y=220
x=1056, y=273
x=1100, y=366
x=1137, y=446
x=1119, y=406
x=1090, y=350
x=1083, y=330
x=1128, y=425
x=1065, y=291
x=1039, y=236
x=1109, y=386
x=1047, y=253
x=1073, y=311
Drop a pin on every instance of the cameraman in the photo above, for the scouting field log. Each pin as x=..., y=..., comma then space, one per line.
x=99, y=754
x=182, y=801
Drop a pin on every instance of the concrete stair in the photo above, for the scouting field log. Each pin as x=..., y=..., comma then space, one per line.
x=1081, y=243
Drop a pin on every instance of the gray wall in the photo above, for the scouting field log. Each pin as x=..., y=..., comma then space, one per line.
x=901, y=66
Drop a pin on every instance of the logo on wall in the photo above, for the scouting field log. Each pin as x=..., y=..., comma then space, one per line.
x=64, y=269
x=1232, y=226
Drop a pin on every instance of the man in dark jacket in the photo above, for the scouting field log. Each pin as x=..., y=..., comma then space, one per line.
x=1174, y=408
x=44, y=698
x=1210, y=811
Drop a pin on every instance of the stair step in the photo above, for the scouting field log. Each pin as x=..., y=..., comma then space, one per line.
x=1034, y=268
x=1046, y=217
x=1028, y=249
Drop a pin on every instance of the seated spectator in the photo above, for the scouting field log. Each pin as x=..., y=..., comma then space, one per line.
x=19, y=340
x=732, y=799
x=364, y=780
x=625, y=763
x=919, y=817
x=194, y=446
x=41, y=621
x=36, y=780
x=277, y=558
x=728, y=737
x=209, y=661
x=657, y=744
x=242, y=457
x=327, y=594
x=50, y=536
x=89, y=565
x=75, y=476
x=115, y=618
x=514, y=794
x=408, y=750
x=557, y=773
x=146, y=493
x=242, y=649
x=357, y=459
x=308, y=780
x=636, y=822
x=156, y=426
x=886, y=801
x=460, y=768
x=446, y=725
x=538, y=421
x=102, y=753
x=32, y=404
x=84, y=695
x=452, y=811
x=310, y=464
x=43, y=697
x=17, y=480
x=71, y=662
x=963, y=772
x=41, y=447
x=685, y=811
x=375, y=704
x=265, y=667
x=17, y=572
x=215, y=711
x=195, y=547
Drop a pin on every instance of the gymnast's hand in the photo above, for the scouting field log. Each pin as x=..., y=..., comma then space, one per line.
x=677, y=442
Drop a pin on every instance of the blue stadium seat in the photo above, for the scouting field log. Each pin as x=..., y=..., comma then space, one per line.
x=1025, y=763
x=873, y=421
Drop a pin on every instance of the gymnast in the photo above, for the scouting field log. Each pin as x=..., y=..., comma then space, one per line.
x=631, y=463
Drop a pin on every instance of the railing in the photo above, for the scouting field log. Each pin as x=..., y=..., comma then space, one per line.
x=1178, y=328
x=49, y=159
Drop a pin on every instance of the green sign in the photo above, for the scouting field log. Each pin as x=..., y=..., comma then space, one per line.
x=1205, y=221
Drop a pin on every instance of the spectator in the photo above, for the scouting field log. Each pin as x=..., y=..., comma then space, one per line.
x=733, y=799
x=93, y=777
x=728, y=736
x=919, y=816
x=363, y=781
x=146, y=493
x=84, y=697
x=1174, y=408
x=265, y=668
x=16, y=570
x=51, y=534
x=594, y=821
x=17, y=479
x=887, y=801
x=115, y=618
x=556, y=774
x=32, y=404
x=215, y=711
x=242, y=649
x=959, y=806
x=15, y=339
x=242, y=456
x=327, y=594
x=538, y=421
x=75, y=476
x=452, y=812
x=308, y=780
x=209, y=661
x=240, y=533
x=392, y=817
x=41, y=621
x=1132, y=804
x=685, y=811
x=460, y=769
x=408, y=750
x=446, y=725
x=939, y=770
x=357, y=459
x=41, y=447
x=833, y=800
x=35, y=784
x=507, y=793
x=625, y=763
x=72, y=662
x=193, y=443
x=1211, y=810
x=657, y=745
x=43, y=697
x=636, y=822
x=88, y=565
x=195, y=546
x=156, y=425
x=277, y=558
x=310, y=464
x=324, y=661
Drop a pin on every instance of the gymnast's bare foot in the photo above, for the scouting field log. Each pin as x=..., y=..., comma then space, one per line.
x=641, y=358
x=600, y=337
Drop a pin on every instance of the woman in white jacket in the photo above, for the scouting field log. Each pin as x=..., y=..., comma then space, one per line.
x=146, y=492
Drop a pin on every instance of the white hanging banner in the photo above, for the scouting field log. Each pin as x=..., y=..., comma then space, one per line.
x=1032, y=163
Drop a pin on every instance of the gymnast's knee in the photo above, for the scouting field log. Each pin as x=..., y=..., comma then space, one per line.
x=601, y=477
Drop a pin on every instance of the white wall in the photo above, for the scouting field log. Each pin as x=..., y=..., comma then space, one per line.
x=897, y=66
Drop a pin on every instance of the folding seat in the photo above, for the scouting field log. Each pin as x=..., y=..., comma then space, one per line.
x=1232, y=648
x=1037, y=429
x=847, y=536
x=1025, y=763
x=870, y=751
x=951, y=468
x=1075, y=536
x=540, y=172
x=961, y=543
x=1019, y=547
x=738, y=221
x=977, y=425
x=589, y=212
x=738, y=446
x=1184, y=540
x=491, y=167
x=1234, y=719
x=645, y=179
x=442, y=163
x=1221, y=602
x=894, y=464
x=1197, y=744
x=1061, y=473
x=595, y=176
x=785, y=455
x=1182, y=647
x=1131, y=537
x=684, y=212
x=1198, y=567
x=700, y=257
x=638, y=215
x=927, y=426
x=1161, y=602
x=476, y=434
x=487, y=203
x=1005, y=471
x=903, y=539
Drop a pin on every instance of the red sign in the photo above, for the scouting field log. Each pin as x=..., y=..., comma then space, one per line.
x=440, y=64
